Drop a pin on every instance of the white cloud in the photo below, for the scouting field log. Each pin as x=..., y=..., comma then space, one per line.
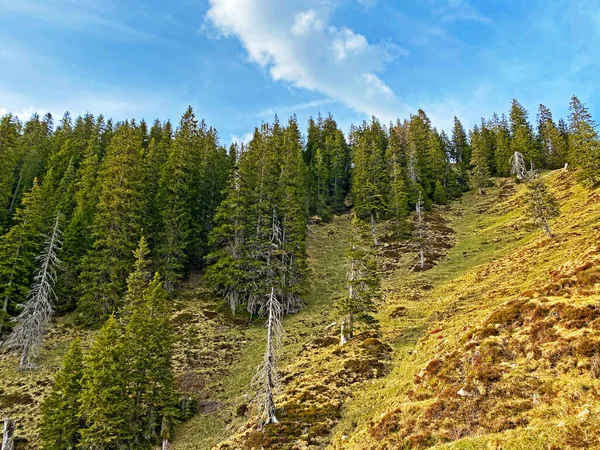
x=244, y=139
x=461, y=10
x=295, y=42
x=367, y=3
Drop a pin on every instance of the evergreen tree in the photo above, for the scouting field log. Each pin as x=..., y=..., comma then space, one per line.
x=148, y=341
x=522, y=135
x=554, y=145
x=398, y=189
x=480, y=174
x=8, y=156
x=78, y=238
x=460, y=144
x=18, y=249
x=62, y=422
x=174, y=198
x=117, y=226
x=105, y=403
x=369, y=178
x=363, y=282
x=503, y=147
x=584, y=145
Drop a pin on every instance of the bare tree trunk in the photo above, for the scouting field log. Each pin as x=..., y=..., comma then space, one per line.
x=480, y=190
x=8, y=435
x=547, y=228
x=422, y=257
x=373, y=231
x=343, y=337
x=269, y=402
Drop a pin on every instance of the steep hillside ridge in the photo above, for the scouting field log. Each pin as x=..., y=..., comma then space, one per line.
x=497, y=346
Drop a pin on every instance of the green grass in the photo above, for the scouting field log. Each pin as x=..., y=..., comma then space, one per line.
x=497, y=255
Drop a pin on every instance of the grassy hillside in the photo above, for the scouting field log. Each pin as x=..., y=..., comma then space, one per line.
x=494, y=346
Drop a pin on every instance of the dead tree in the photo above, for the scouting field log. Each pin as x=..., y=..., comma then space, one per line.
x=518, y=167
x=266, y=380
x=8, y=435
x=37, y=312
x=541, y=203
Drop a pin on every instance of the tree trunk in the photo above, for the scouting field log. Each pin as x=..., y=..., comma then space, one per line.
x=422, y=257
x=8, y=435
x=23, y=363
x=547, y=228
x=343, y=337
x=375, y=242
x=480, y=191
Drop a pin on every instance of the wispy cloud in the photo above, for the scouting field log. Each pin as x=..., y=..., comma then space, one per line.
x=243, y=139
x=296, y=43
x=75, y=15
x=291, y=109
x=461, y=10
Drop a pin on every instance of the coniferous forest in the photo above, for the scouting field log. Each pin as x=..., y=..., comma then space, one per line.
x=105, y=225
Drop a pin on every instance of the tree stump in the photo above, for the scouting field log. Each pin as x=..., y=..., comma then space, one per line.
x=8, y=435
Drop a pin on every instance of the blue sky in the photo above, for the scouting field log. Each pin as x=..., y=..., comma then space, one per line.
x=238, y=62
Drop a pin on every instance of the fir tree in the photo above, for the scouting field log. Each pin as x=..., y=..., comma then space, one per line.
x=8, y=156
x=584, y=145
x=61, y=419
x=399, y=192
x=174, y=198
x=148, y=340
x=480, y=173
x=522, y=135
x=369, y=178
x=18, y=249
x=503, y=147
x=363, y=282
x=116, y=228
x=553, y=144
x=105, y=404
x=460, y=144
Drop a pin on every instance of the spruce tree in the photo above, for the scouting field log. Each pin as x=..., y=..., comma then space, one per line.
x=148, y=341
x=460, y=144
x=369, y=177
x=8, y=156
x=503, y=147
x=116, y=228
x=553, y=144
x=175, y=200
x=523, y=140
x=105, y=403
x=78, y=238
x=480, y=173
x=62, y=422
x=398, y=189
x=584, y=145
x=18, y=249
x=363, y=282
